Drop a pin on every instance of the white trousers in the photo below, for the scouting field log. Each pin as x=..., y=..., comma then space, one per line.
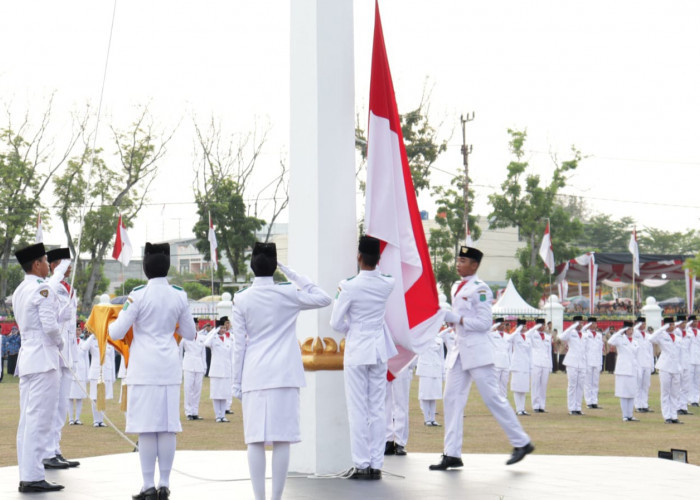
x=643, y=385
x=428, y=407
x=591, y=385
x=193, y=392
x=502, y=375
x=61, y=413
x=574, y=390
x=694, y=384
x=365, y=393
x=519, y=398
x=38, y=402
x=396, y=409
x=539, y=377
x=627, y=406
x=684, y=396
x=456, y=393
x=670, y=384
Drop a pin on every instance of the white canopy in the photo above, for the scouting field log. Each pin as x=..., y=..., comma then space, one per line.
x=512, y=303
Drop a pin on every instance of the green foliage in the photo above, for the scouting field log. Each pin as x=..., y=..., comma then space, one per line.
x=653, y=240
x=693, y=265
x=195, y=290
x=14, y=275
x=603, y=234
x=132, y=283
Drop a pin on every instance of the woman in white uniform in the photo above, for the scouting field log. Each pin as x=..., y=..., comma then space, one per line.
x=90, y=345
x=520, y=365
x=430, y=370
x=220, y=371
x=155, y=311
x=268, y=370
x=79, y=384
x=626, y=369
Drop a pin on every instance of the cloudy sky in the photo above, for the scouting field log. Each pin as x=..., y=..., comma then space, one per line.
x=619, y=80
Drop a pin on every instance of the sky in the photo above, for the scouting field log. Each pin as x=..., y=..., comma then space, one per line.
x=617, y=80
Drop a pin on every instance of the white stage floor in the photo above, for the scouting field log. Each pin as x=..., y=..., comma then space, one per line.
x=482, y=477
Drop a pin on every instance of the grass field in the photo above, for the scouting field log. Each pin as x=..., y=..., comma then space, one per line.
x=599, y=432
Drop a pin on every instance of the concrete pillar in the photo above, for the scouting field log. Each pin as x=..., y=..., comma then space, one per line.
x=322, y=219
x=554, y=312
x=652, y=312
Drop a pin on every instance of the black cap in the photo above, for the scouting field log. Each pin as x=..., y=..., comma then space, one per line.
x=30, y=253
x=521, y=322
x=627, y=324
x=498, y=320
x=470, y=253
x=58, y=254
x=667, y=321
x=577, y=318
x=680, y=317
x=539, y=321
x=592, y=319
x=264, y=259
x=692, y=317
x=369, y=245
x=156, y=260
x=641, y=319
x=221, y=320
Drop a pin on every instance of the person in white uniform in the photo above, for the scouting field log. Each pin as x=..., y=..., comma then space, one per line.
x=575, y=362
x=60, y=266
x=268, y=370
x=626, y=369
x=520, y=365
x=669, y=366
x=502, y=351
x=684, y=343
x=79, y=385
x=593, y=341
x=473, y=359
x=430, y=370
x=194, y=364
x=541, y=365
x=221, y=369
x=396, y=408
x=106, y=372
x=645, y=361
x=358, y=312
x=692, y=332
x=155, y=311
x=35, y=306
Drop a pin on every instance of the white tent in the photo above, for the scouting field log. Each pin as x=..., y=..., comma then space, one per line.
x=513, y=304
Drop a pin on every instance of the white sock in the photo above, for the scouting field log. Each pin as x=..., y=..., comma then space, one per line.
x=148, y=451
x=256, y=466
x=280, y=466
x=166, y=455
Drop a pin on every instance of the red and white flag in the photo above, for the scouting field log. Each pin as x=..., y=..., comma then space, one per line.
x=122, y=245
x=39, y=230
x=413, y=313
x=546, y=252
x=634, y=250
x=213, y=255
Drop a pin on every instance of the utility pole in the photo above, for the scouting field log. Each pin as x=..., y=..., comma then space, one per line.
x=466, y=151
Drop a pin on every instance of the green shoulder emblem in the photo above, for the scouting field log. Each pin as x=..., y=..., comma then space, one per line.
x=138, y=288
x=178, y=288
x=387, y=275
x=351, y=278
x=284, y=283
x=242, y=290
x=126, y=305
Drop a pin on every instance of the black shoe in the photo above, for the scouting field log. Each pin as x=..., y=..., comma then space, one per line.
x=390, y=448
x=365, y=473
x=590, y=406
x=446, y=462
x=375, y=473
x=197, y=417
x=647, y=410
x=684, y=412
x=38, y=486
x=190, y=417
x=54, y=463
x=596, y=407
x=519, y=453
x=71, y=463
x=149, y=494
x=523, y=414
x=668, y=421
x=695, y=405
x=163, y=493
x=399, y=450
x=228, y=412
x=630, y=419
x=675, y=421
x=77, y=422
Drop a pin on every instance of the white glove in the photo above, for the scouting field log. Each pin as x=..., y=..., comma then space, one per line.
x=297, y=279
x=60, y=343
x=237, y=392
x=451, y=317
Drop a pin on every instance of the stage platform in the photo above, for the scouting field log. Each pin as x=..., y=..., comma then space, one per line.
x=115, y=477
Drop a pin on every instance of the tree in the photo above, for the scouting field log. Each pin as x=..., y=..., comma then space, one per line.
x=526, y=204
x=652, y=240
x=195, y=290
x=603, y=234
x=132, y=283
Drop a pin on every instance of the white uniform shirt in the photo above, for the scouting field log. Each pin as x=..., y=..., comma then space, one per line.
x=521, y=359
x=221, y=345
x=155, y=311
x=90, y=345
x=576, y=355
x=502, y=350
x=594, y=348
x=67, y=308
x=431, y=363
x=694, y=346
x=195, y=356
x=684, y=344
x=669, y=360
x=626, y=362
x=541, y=348
x=34, y=305
x=645, y=353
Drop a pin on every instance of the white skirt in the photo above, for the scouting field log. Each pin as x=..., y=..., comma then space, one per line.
x=430, y=388
x=75, y=391
x=109, y=390
x=220, y=387
x=520, y=381
x=271, y=415
x=153, y=408
x=625, y=386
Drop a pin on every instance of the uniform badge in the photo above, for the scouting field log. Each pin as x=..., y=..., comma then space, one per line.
x=482, y=297
x=44, y=293
x=126, y=305
x=338, y=292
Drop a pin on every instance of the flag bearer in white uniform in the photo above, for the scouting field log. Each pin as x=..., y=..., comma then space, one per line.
x=593, y=340
x=90, y=345
x=430, y=371
x=155, y=311
x=358, y=312
x=669, y=366
x=396, y=409
x=221, y=368
x=575, y=362
x=79, y=384
x=502, y=351
x=268, y=369
x=541, y=365
x=35, y=308
x=473, y=359
x=645, y=361
x=684, y=356
x=626, y=369
x=194, y=364
x=520, y=365
x=692, y=332
x=59, y=264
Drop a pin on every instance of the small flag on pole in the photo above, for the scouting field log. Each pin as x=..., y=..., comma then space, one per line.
x=546, y=252
x=122, y=245
x=39, y=230
x=634, y=250
x=213, y=256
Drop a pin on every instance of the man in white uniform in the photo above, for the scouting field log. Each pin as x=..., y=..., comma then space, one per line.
x=221, y=369
x=472, y=359
x=96, y=372
x=502, y=351
x=645, y=361
x=79, y=384
x=541, y=365
x=692, y=331
x=430, y=370
x=669, y=366
x=520, y=365
x=59, y=264
x=593, y=340
x=396, y=409
x=154, y=311
x=358, y=312
x=575, y=362
x=194, y=364
x=684, y=352
x=34, y=306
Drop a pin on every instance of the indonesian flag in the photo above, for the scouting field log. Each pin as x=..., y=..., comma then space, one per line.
x=546, y=252
x=413, y=313
x=213, y=256
x=122, y=245
x=39, y=230
x=634, y=250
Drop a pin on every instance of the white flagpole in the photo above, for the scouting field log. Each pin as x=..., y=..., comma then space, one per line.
x=634, y=288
